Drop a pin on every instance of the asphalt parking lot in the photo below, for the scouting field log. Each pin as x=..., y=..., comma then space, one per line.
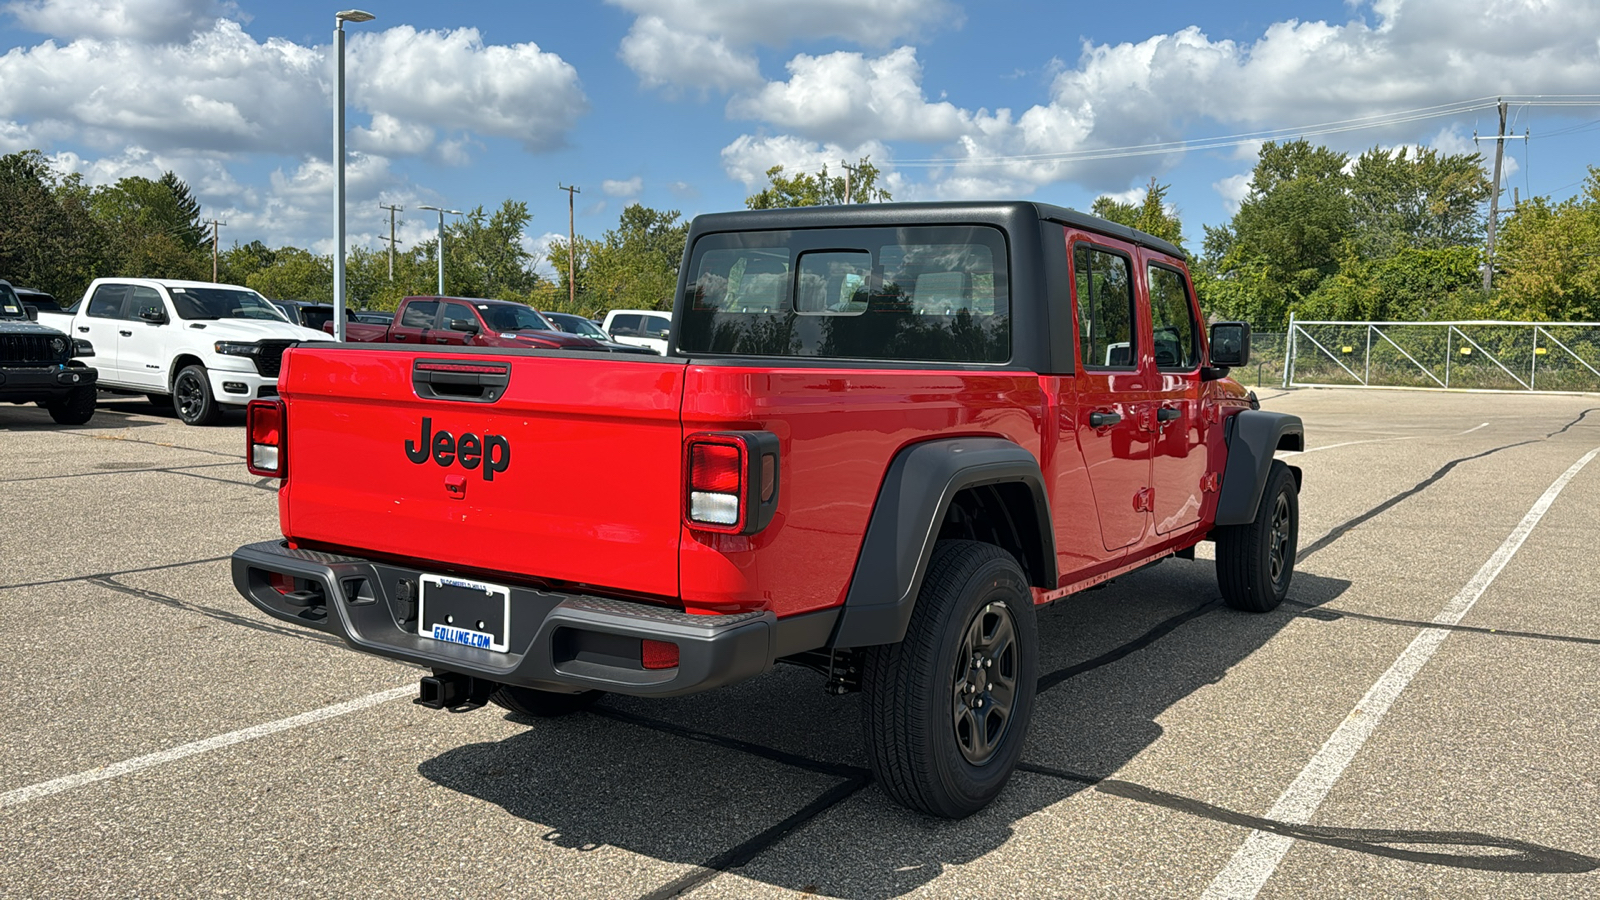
x=1419, y=720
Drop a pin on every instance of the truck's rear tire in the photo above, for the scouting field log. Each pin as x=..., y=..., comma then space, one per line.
x=1255, y=561
x=947, y=708
x=541, y=704
x=76, y=408
x=191, y=397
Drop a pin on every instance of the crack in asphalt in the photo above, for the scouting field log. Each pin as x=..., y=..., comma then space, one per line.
x=172, y=469
x=176, y=565
x=212, y=612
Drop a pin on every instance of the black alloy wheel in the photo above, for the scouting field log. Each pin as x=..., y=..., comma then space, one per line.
x=985, y=683
x=191, y=397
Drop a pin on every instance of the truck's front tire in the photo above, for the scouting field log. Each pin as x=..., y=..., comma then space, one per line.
x=76, y=408
x=191, y=397
x=1256, y=561
x=947, y=709
x=541, y=704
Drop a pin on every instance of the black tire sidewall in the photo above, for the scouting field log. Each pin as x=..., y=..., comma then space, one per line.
x=1280, y=482
x=541, y=704
x=76, y=407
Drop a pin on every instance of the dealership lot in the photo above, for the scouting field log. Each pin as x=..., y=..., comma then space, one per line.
x=165, y=738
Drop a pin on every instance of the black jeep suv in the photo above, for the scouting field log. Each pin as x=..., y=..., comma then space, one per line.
x=37, y=365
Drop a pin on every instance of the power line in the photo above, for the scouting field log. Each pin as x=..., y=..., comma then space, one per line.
x=1218, y=142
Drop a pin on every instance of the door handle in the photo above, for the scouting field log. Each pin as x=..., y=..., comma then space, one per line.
x=125, y=333
x=1167, y=414
x=1104, y=419
x=440, y=340
x=83, y=328
x=399, y=337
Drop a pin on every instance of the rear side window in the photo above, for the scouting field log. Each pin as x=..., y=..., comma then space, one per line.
x=1105, y=309
x=107, y=301
x=626, y=325
x=143, y=299
x=419, y=314
x=926, y=293
x=1172, y=316
x=655, y=326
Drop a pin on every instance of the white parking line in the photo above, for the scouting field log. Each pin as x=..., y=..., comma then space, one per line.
x=1255, y=862
x=1409, y=437
x=1472, y=429
x=129, y=766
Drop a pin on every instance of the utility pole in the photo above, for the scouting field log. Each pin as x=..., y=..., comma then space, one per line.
x=572, y=286
x=1494, y=200
x=392, y=210
x=442, y=213
x=849, y=170
x=214, y=226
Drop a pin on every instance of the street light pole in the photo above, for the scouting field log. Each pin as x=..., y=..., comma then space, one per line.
x=441, y=211
x=349, y=15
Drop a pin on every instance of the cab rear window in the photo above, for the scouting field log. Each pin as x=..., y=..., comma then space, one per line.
x=935, y=294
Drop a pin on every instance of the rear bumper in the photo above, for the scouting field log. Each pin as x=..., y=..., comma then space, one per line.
x=28, y=384
x=557, y=642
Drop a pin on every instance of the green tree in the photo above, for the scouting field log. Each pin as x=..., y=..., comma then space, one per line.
x=294, y=274
x=49, y=239
x=1426, y=200
x=484, y=255
x=1150, y=215
x=784, y=191
x=154, y=228
x=1548, y=259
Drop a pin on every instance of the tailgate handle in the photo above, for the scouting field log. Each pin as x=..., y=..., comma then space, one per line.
x=462, y=380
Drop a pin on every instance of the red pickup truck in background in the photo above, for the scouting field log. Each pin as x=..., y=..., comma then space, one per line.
x=467, y=322
x=881, y=437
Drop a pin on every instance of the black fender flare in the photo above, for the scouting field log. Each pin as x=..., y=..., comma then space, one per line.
x=1252, y=437
x=917, y=490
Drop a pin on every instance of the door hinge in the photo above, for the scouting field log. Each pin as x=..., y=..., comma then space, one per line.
x=1144, y=500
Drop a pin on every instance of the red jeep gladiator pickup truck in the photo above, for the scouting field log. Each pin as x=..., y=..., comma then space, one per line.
x=467, y=322
x=883, y=436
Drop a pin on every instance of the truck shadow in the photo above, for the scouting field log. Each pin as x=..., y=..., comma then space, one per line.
x=703, y=780
x=108, y=413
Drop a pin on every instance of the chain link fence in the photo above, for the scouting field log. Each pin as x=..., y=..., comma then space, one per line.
x=1478, y=355
x=1267, y=357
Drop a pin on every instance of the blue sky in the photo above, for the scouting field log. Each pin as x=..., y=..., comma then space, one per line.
x=682, y=104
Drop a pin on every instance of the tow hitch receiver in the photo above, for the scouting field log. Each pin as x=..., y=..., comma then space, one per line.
x=453, y=691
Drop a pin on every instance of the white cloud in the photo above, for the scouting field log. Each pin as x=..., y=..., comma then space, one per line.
x=665, y=57
x=1233, y=189
x=223, y=91
x=450, y=79
x=629, y=188
x=849, y=98
x=540, y=248
x=150, y=21
x=778, y=22
x=748, y=158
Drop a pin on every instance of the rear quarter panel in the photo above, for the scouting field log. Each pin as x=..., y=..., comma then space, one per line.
x=838, y=429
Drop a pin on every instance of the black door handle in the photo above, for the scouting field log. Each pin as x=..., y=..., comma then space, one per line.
x=1166, y=414
x=125, y=333
x=1104, y=419
x=83, y=328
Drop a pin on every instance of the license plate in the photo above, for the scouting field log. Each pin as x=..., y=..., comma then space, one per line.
x=464, y=612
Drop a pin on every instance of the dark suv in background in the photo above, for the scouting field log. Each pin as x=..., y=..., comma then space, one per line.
x=37, y=365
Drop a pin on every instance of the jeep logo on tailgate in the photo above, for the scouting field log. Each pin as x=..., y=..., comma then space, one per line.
x=469, y=450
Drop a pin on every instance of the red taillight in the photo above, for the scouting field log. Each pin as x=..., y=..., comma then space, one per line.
x=264, y=439
x=718, y=468
x=658, y=654
x=732, y=481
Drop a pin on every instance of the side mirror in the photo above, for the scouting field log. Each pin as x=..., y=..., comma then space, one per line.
x=32, y=312
x=1230, y=345
x=155, y=315
x=81, y=347
x=466, y=325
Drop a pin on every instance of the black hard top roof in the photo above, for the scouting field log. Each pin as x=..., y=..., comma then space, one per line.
x=943, y=212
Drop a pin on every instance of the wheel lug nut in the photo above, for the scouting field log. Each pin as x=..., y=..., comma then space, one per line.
x=988, y=664
x=980, y=703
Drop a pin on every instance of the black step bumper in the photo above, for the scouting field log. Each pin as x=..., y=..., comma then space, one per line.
x=557, y=641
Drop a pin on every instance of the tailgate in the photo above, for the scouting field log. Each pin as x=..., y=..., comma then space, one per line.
x=572, y=473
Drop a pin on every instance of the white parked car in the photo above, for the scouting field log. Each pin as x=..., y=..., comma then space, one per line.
x=639, y=327
x=199, y=346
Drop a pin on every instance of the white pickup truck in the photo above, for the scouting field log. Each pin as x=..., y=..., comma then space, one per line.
x=198, y=346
